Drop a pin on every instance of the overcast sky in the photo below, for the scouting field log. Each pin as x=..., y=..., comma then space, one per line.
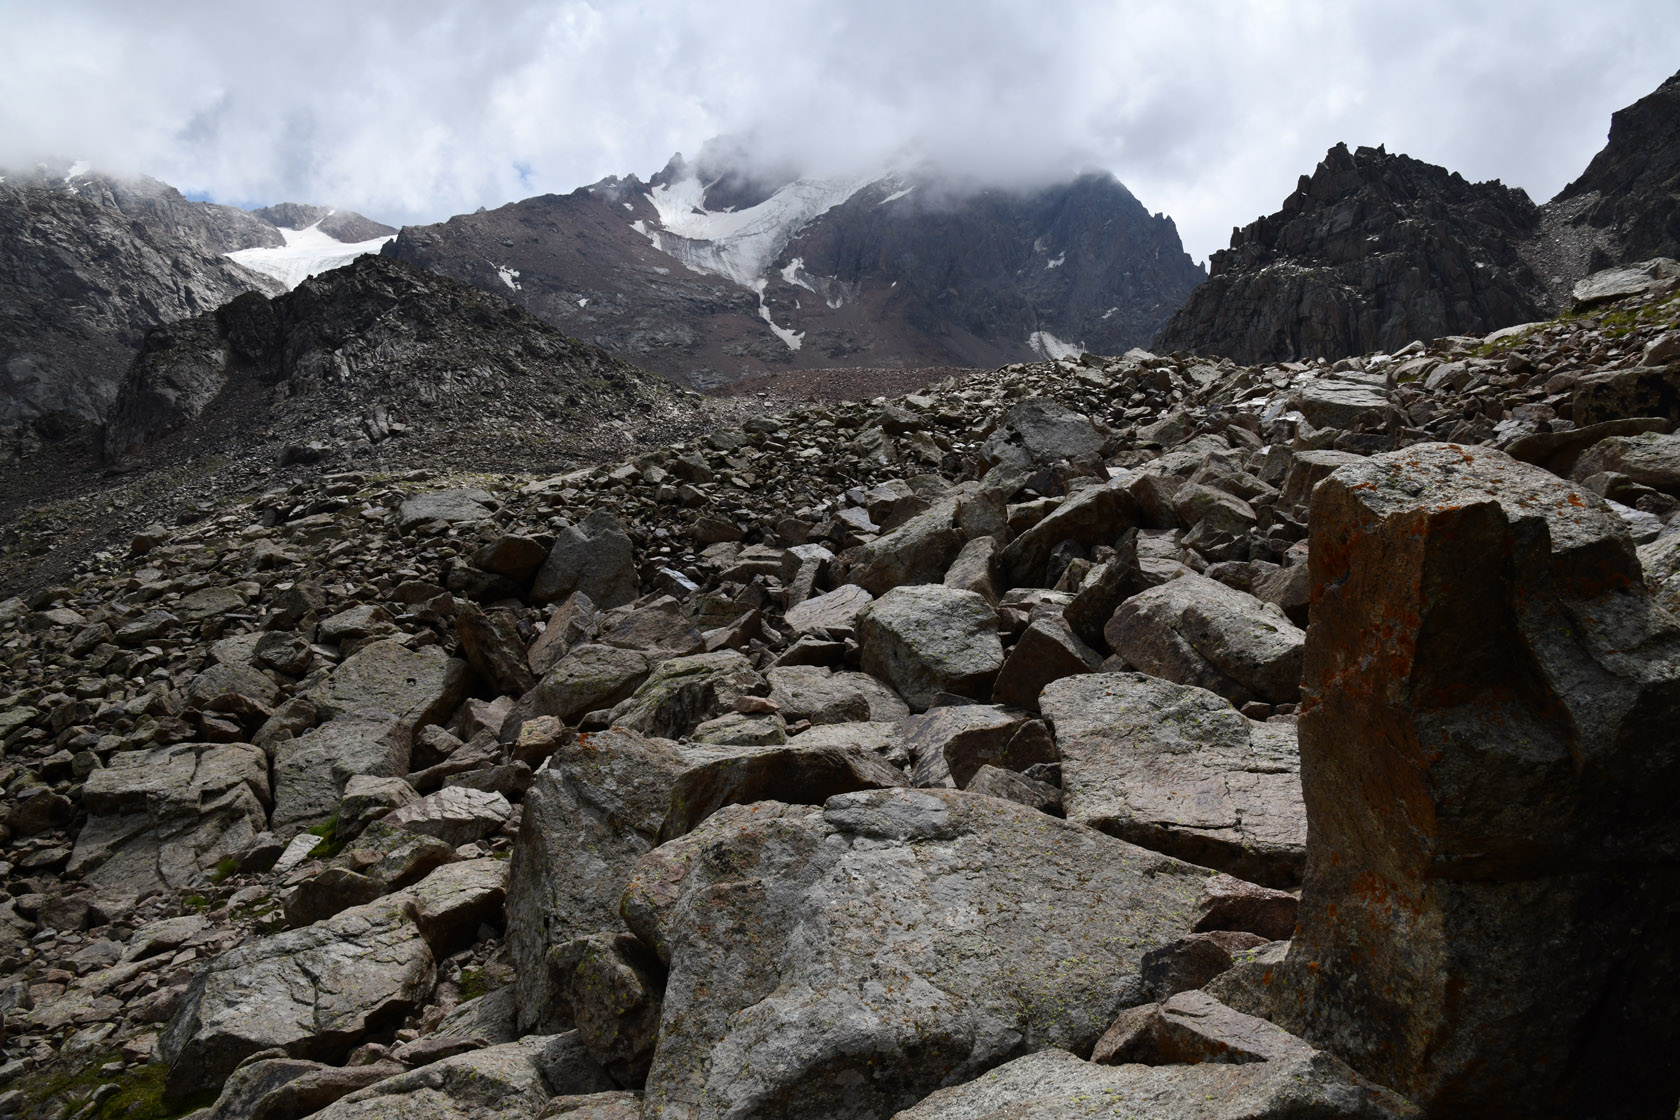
x=414, y=110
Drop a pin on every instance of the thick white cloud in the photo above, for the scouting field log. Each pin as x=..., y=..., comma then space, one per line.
x=414, y=110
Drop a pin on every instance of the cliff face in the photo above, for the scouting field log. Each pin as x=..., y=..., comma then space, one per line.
x=1630, y=192
x=1371, y=251
x=712, y=275
x=87, y=265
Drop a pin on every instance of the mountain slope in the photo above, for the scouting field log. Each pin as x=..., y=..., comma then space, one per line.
x=1371, y=251
x=87, y=264
x=381, y=353
x=710, y=274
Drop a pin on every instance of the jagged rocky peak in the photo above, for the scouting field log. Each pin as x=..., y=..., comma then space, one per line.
x=1630, y=192
x=1371, y=251
x=730, y=265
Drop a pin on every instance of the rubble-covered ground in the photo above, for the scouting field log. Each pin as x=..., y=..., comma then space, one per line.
x=849, y=758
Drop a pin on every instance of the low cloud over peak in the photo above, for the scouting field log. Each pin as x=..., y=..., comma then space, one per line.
x=412, y=111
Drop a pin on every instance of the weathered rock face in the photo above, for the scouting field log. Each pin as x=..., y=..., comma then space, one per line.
x=1627, y=192
x=1486, y=688
x=1057, y=1085
x=587, y=820
x=1177, y=769
x=929, y=639
x=167, y=817
x=845, y=961
x=1371, y=251
x=316, y=992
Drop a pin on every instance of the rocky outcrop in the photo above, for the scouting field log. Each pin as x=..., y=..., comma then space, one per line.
x=1371, y=251
x=370, y=352
x=1485, y=682
x=1627, y=196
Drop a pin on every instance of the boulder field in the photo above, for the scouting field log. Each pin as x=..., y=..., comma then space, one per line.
x=1136, y=736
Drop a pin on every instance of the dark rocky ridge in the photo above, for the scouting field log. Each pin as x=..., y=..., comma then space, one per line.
x=1630, y=191
x=1373, y=251
x=933, y=276
x=375, y=351
x=1370, y=252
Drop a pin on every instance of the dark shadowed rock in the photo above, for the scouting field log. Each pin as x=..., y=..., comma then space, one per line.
x=595, y=557
x=1485, y=680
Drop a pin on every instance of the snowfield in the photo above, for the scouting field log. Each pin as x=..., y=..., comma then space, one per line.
x=306, y=252
x=1051, y=348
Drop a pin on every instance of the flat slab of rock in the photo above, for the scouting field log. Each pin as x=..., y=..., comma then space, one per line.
x=1196, y=630
x=1057, y=1085
x=165, y=818
x=1178, y=769
x=834, y=613
x=314, y=992
x=1193, y=1027
x=419, y=687
x=823, y=696
x=454, y=814
x=929, y=639
x=919, y=931
x=453, y=901
x=444, y=505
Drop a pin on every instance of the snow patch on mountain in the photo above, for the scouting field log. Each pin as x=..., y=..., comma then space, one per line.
x=793, y=339
x=741, y=244
x=307, y=252
x=1051, y=348
x=510, y=276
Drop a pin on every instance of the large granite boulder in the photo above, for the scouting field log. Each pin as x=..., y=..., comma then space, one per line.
x=589, y=677
x=1057, y=1085
x=1196, y=630
x=822, y=696
x=929, y=639
x=588, y=818
x=918, y=551
x=1177, y=769
x=165, y=818
x=419, y=687
x=595, y=557
x=793, y=773
x=844, y=961
x=1095, y=515
x=314, y=992
x=1042, y=430
x=1489, y=703
x=684, y=692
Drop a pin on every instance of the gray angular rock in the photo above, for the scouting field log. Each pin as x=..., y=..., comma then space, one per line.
x=454, y=814
x=1040, y=431
x=1193, y=1027
x=683, y=692
x=589, y=677
x=615, y=988
x=1195, y=630
x=312, y=771
x=823, y=696
x=834, y=613
x=1178, y=769
x=314, y=992
x=918, y=551
x=587, y=819
x=165, y=818
x=595, y=557
x=1056, y=1085
x=452, y=902
x=912, y=929
x=444, y=505
x=417, y=686
x=512, y=1081
x=929, y=639
x=1046, y=651
x=1094, y=515
x=950, y=744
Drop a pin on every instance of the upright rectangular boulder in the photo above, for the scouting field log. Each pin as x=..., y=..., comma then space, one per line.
x=1490, y=917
